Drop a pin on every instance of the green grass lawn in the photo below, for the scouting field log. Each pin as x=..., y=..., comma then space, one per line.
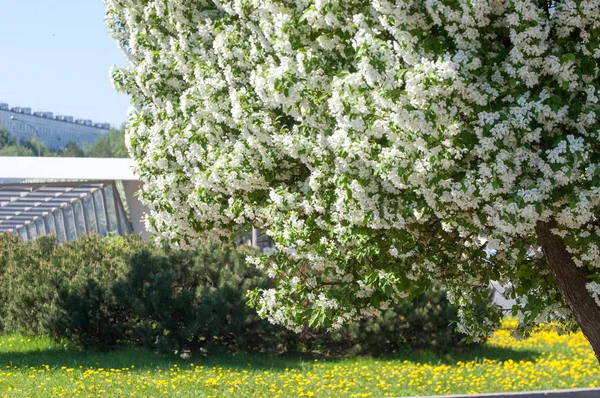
x=38, y=367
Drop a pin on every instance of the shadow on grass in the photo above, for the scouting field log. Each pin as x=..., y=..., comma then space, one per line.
x=473, y=353
x=142, y=359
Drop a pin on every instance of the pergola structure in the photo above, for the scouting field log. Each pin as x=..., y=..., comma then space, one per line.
x=76, y=196
x=67, y=209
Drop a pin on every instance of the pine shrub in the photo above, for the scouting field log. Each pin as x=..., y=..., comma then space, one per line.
x=104, y=292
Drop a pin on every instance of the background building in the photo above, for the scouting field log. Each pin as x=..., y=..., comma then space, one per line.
x=55, y=131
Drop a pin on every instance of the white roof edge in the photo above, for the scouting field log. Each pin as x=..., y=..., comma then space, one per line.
x=42, y=168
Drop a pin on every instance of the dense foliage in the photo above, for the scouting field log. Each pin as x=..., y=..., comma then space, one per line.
x=106, y=292
x=381, y=144
x=9, y=146
x=111, y=145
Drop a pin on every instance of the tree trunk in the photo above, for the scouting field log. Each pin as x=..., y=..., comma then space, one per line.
x=571, y=280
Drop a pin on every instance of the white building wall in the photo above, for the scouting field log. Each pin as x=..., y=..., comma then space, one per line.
x=60, y=168
x=137, y=210
x=55, y=134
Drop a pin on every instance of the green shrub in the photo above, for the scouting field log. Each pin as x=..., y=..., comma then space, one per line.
x=85, y=312
x=84, y=309
x=426, y=322
x=222, y=279
x=162, y=306
x=41, y=275
x=184, y=299
x=32, y=276
x=10, y=247
x=102, y=292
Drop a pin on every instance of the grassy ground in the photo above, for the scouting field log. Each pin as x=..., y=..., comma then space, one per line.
x=39, y=368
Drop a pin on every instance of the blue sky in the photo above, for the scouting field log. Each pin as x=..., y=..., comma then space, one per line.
x=55, y=56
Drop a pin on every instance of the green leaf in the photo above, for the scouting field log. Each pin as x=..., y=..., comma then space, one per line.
x=567, y=57
x=573, y=201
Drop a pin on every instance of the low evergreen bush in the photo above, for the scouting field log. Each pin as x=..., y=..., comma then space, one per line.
x=45, y=284
x=186, y=299
x=103, y=292
x=424, y=323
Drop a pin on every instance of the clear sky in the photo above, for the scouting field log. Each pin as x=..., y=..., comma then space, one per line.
x=55, y=56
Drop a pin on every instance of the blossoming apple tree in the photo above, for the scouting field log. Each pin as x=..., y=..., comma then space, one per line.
x=382, y=144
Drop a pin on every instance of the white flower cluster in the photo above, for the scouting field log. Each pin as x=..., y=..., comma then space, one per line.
x=594, y=289
x=382, y=144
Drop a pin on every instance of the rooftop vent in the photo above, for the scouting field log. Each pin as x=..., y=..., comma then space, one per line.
x=48, y=115
x=104, y=126
x=69, y=119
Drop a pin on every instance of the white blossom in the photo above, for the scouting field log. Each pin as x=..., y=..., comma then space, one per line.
x=382, y=145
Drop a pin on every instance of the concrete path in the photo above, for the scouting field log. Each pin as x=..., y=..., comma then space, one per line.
x=573, y=393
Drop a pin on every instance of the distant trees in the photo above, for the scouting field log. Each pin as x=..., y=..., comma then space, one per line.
x=4, y=137
x=111, y=145
x=9, y=146
x=72, y=150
